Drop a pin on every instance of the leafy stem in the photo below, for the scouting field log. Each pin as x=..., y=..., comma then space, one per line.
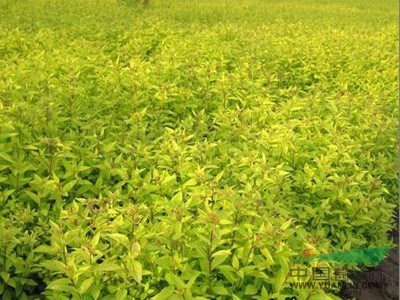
x=234, y=227
x=209, y=256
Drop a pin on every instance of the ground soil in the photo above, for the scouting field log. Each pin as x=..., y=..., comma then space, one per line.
x=390, y=273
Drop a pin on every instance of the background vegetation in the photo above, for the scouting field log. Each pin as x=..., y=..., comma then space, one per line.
x=191, y=149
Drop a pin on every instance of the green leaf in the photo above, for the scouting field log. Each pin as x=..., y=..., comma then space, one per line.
x=175, y=281
x=165, y=293
x=5, y=276
x=250, y=290
x=86, y=285
x=228, y=272
x=95, y=240
x=219, y=257
x=137, y=267
x=108, y=267
x=61, y=285
x=286, y=225
x=220, y=289
x=109, y=147
x=190, y=182
x=33, y=196
x=177, y=199
x=269, y=259
x=219, y=176
x=53, y=265
x=168, y=179
x=177, y=231
x=121, y=294
x=119, y=238
x=67, y=187
x=45, y=249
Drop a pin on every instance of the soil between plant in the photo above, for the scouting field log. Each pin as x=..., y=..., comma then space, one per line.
x=390, y=273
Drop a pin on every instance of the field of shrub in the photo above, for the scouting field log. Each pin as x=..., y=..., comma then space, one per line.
x=192, y=149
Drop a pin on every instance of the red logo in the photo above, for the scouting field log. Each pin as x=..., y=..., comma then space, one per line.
x=308, y=253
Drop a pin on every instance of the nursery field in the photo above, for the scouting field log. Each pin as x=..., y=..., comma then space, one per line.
x=193, y=149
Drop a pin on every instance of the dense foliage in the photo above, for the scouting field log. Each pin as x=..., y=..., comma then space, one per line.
x=191, y=149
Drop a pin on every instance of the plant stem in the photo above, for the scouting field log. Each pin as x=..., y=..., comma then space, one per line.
x=5, y=258
x=234, y=226
x=209, y=257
